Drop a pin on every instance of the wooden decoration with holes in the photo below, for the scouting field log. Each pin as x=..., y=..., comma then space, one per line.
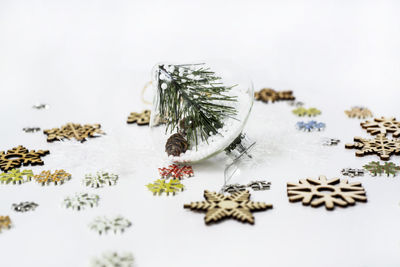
x=329, y=192
x=380, y=146
x=140, y=118
x=237, y=206
x=383, y=126
x=20, y=155
x=73, y=130
x=270, y=95
x=358, y=112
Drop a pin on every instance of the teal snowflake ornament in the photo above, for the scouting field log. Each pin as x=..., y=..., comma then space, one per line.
x=15, y=176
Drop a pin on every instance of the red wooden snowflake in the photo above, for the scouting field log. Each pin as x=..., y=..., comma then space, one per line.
x=175, y=171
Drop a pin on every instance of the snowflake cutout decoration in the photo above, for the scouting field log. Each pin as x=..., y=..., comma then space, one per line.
x=24, y=206
x=352, y=172
x=41, y=106
x=15, y=176
x=18, y=156
x=73, y=130
x=380, y=145
x=81, y=200
x=113, y=259
x=358, y=112
x=142, y=118
x=176, y=172
x=160, y=186
x=100, y=179
x=233, y=188
x=5, y=222
x=259, y=185
x=295, y=103
x=329, y=192
x=219, y=206
x=330, y=142
x=382, y=126
x=31, y=129
x=310, y=112
x=310, y=126
x=58, y=177
x=104, y=224
x=375, y=168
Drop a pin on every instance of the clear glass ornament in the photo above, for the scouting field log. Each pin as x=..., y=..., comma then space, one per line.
x=232, y=126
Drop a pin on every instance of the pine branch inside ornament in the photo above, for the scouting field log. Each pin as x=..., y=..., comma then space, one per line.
x=198, y=109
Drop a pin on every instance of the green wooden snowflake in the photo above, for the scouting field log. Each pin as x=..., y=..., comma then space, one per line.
x=388, y=168
x=310, y=112
x=159, y=186
x=16, y=176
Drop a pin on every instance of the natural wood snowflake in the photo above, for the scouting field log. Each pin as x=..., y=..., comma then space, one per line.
x=270, y=95
x=329, y=192
x=142, y=118
x=5, y=222
x=18, y=156
x=58, y=177
x=358, y=112
x=380, y=146
x=236, y=205
x=382, y=126
x=73, y=130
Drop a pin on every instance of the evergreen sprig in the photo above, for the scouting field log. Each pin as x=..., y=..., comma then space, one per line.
x=193, y=100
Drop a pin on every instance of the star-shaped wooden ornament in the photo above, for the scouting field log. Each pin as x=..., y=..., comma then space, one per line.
x=219, y=206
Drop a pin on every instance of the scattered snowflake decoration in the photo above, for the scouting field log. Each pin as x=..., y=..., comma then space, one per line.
x=41, y=106
x=58, y=177
x=380, y=146
x=382, y=126
x=104, y=224
x=233, y=188
x=160, y=186
x=31, y=129
x=329, y=192
x=73, y=130
x=5, y=223
x=15, y=176
x=358, y=112
x=18, y=156
x=24, y=206
x=142, y=118
x=113, y=259
x=295, y=103
x=310, y=112
x=100, y=179
x=352, y=172
x=259, y=185
x=219, y=206
x=330, y=142
x=176, y=172
x=80, y=201
x=310, y=126
x=388, y=168
x=270, y=95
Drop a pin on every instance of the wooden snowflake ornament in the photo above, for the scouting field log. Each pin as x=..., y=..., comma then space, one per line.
x=73, y=130
x=382, y=126
x=18, y=156
x=329, y=192
x=358, y=112
x=270, y=95
x=46, y=177
x=5, y=222
x=237, y=206
x=380, y=146
x=140, y=118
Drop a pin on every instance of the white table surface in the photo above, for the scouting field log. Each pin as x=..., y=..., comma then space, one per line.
x=90, y=59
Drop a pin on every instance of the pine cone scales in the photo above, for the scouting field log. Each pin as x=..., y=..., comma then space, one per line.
x=176, y=144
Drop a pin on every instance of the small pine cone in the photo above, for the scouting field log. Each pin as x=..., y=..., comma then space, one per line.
x=176, y=144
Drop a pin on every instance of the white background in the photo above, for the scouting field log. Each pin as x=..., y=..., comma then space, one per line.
x=90, y=59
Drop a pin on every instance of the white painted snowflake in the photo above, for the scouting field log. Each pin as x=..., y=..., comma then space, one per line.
x=113, y=259
x=81, y=200
x=100, y=179
x=104, y=224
